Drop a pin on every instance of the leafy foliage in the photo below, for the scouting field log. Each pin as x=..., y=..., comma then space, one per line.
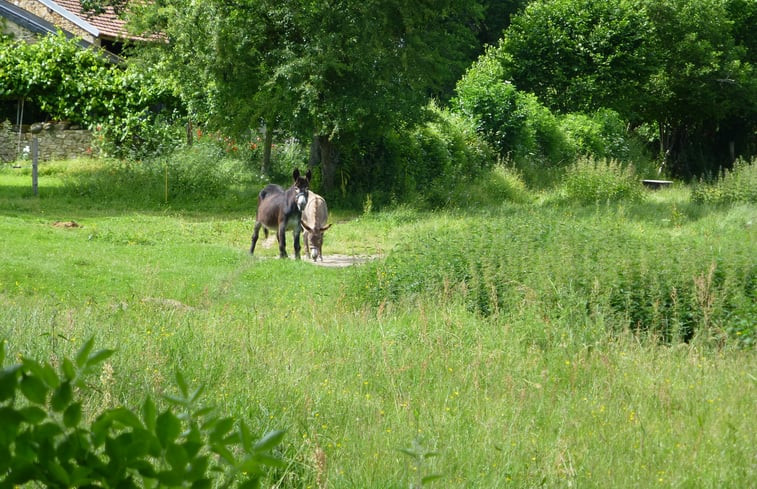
x=132, y=110
x=421, y=163
x=44, y=437
x=683, y=64
x=491, y=189
x=580, y=55
x=522, y=129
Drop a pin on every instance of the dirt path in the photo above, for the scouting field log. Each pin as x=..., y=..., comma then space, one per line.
x=339, y=261
x=333, y=261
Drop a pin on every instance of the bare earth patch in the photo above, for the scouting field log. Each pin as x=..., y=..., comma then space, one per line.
x=65, y=224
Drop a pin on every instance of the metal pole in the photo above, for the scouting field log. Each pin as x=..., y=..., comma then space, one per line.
x=35, y=154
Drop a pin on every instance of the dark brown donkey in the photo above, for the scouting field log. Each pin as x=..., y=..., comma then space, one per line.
x=279, y=210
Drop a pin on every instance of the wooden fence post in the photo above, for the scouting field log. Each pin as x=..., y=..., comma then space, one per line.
x=35, y=159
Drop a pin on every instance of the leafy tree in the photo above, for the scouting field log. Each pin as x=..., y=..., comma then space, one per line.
x=330, y=71
x=580, y=55
x=704, y=88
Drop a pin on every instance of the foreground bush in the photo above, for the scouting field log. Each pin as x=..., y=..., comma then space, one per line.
x=44, y=437
x=738, y=185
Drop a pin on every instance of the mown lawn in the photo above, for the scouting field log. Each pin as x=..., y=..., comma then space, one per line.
x=488, y=336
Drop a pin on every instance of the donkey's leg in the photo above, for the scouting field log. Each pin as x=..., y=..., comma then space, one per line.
x=281, y=235
x=255, y=233
x=306, y=240
x=296, y=232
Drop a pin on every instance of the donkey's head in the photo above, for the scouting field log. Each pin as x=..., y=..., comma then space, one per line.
x=301, y=186
x=316, y=240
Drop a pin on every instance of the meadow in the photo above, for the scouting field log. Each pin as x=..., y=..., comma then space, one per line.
x=517, y=339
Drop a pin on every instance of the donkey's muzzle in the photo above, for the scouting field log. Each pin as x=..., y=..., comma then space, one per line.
x=302, y=199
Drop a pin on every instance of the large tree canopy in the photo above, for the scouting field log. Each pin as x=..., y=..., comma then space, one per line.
x=328, y=70
x=685, y=65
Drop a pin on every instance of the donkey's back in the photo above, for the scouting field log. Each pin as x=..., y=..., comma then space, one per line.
x=272, y=206
x=314, y=219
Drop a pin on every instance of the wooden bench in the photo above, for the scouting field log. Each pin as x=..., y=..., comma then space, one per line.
x=656, y=184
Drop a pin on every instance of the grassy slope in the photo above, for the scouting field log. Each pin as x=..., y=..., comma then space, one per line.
x=287, y=344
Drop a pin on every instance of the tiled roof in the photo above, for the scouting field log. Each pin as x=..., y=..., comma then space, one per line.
x=107, y=23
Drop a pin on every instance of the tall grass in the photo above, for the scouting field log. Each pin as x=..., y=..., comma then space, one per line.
x=733, y=186
x=504, y=338
x=600, y=266
x=589, y=180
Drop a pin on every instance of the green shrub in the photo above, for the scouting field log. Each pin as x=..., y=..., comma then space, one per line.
x=44, y=437
x=738, y=185
x=138, y=134
x=514, y=123
x=590, y=180
x=423, y=163
x=200, y=171
x=602, y=135
x=523, y=130
x=491, y=189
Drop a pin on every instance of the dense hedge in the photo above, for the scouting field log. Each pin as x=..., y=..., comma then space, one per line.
x=130, y=107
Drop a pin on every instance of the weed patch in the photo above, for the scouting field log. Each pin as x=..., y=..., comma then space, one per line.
x=670, y=286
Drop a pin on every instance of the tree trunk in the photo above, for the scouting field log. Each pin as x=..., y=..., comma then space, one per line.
x=266, y=167
x=666, y=143
x=323, y=150
x=189, y=133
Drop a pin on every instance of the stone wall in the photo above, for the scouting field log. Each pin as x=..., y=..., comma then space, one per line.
x=17, y=32
x=56, y=142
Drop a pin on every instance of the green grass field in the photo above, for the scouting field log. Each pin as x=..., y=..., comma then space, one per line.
x=535, y=344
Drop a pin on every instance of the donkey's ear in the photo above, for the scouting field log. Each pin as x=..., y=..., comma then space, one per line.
x=325, y=227
x=309, y=174
x=306, y=227
x=296, y=174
